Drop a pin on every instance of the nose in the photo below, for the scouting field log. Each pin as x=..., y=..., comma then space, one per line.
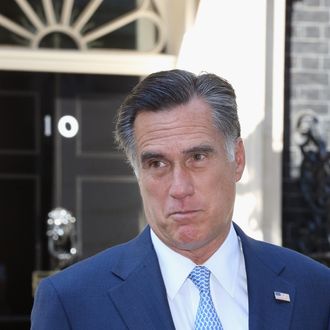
x=182, y=184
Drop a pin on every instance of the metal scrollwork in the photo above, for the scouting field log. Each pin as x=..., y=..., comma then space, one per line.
x=315, y=184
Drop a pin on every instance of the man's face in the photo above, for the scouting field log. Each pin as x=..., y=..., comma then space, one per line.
x=186, y=181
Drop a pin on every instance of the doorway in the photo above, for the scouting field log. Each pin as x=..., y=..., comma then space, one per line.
x=41, y=169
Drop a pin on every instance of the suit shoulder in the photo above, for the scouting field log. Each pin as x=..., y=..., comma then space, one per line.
x=296, y=263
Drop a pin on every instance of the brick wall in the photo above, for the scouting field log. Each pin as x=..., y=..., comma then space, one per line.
x=310, y=63
x=307, y=91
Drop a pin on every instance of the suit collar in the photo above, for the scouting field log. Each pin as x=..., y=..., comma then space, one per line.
x=264, y=269
x=277, y=265
x=141, y=296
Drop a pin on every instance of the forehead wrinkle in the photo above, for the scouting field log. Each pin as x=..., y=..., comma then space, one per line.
x=179, y=128
x=161, y=135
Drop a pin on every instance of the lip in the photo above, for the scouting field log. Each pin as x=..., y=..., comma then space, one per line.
x=180, y=215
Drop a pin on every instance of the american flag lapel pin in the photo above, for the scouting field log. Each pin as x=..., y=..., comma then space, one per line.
x=281, y=296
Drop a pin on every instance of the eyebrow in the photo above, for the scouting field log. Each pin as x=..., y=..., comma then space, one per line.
x=204, y=148
x=147, y=155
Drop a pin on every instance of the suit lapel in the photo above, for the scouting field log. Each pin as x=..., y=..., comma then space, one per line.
x=141, y=297
x=264, y=269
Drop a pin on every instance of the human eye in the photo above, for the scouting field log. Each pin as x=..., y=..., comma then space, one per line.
x=155, y=164
x=153, y=161
x=199, y=157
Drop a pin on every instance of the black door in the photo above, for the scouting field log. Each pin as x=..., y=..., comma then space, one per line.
x=41, y=169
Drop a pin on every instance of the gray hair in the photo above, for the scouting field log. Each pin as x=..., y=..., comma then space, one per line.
x=168, y=89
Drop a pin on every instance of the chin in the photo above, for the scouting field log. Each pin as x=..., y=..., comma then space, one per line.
x=189, y=242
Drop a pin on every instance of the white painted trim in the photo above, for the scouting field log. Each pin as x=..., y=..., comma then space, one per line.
x=273, y=126
x=88, y=62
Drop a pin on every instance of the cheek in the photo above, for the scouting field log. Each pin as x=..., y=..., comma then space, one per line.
x=220, y=189
x=153, y=194
x=149, y=188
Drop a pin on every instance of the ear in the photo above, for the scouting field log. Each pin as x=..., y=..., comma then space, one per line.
x=239, y=159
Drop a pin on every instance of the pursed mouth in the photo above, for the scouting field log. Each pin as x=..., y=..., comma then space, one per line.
x=183, y=213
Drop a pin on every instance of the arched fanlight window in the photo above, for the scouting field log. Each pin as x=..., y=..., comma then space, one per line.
x=126, y=37
x=81, y=24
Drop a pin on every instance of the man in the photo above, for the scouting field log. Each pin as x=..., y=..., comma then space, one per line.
x=192, y=267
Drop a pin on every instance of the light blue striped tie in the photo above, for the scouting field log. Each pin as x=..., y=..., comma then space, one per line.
x=206, y=317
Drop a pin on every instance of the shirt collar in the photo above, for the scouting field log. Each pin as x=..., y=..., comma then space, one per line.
x=223, y=264
x=170, y=262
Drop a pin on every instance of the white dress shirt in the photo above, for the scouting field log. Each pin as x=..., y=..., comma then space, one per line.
x=228, y=284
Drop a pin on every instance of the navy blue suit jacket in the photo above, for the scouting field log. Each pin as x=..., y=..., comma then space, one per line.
x=122, y=288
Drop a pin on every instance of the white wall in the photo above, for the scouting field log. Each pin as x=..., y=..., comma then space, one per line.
x=236, y=39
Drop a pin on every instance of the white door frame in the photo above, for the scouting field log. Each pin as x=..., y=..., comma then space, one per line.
x=170, y=19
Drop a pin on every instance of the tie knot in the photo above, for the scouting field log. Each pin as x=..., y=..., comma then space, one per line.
x=200, y=276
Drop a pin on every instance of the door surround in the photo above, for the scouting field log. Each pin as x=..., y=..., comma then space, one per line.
x=160, y=27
